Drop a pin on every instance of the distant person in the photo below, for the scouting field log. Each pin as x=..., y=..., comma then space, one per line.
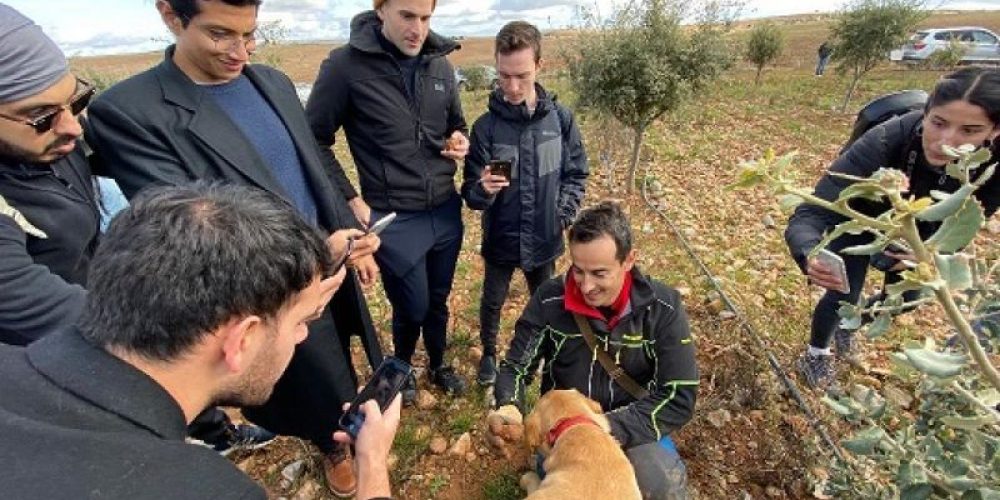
x=198, y=297
x=963, y=108
x=393, y=91
x=204, y=113
x=524, y=215
x=604, y=307
x=49, y=224
x=823, y=53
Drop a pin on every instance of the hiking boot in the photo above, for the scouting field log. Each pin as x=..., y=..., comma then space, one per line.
x=242, y=437
x=845, y=347
x=818, y=370
x=449, y=381
x=338, y=470
x=409, y=390
x=487, y=370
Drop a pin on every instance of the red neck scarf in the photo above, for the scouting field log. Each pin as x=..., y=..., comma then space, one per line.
x=574, y=301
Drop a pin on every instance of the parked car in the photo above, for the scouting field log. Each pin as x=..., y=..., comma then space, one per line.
x=982, y=45
x=479, y=77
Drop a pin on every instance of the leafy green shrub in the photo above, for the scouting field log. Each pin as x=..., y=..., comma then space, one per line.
x=477, y=77
x=764, y=45
x=949, y=445
x=947, y=57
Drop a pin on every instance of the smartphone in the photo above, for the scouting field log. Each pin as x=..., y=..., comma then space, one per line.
x=381, y=224
x=500, y=167
x=836, y=263
x=385, y=384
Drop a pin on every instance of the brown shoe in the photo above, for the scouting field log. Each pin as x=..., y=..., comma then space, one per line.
x=338, y=468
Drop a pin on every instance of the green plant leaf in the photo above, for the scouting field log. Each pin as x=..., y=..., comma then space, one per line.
x=948, y=206
x=865, y=442
x=968, y=423
x=750, y=175
x=958, y=230
x=850, y=316
x=919, y=491
x=936, y=364
x=838, y=408
x=962, y=483
x=878, y=327
x=789, y=202
x=908, y=474
x=955, y=270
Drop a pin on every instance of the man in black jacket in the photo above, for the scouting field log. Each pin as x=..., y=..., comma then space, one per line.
x=48, y=212
x=525, y=213
x=205, y=113
x=638, y=321
x=394, y=93
x=198, y=296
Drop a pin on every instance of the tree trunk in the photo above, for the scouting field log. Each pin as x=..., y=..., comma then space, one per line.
x=640, y=132
x=756, y=79
x=850, y=90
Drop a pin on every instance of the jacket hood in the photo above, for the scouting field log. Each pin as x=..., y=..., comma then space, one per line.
x=363, y=38
x=515, y=113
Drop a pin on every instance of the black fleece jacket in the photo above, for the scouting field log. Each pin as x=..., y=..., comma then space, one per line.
x=395, y=139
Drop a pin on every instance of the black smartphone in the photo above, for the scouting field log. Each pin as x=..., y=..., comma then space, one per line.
x=385, y=384
x=500, y=167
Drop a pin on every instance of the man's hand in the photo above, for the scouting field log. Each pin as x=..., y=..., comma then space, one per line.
x=361, y=210
x=820, y=274
x=364, y=244
x=329, y=286
x=492, y=184
x=371, y=449
x=367, y=270
x=504, y=426
x=903, y=258
x=457, y=146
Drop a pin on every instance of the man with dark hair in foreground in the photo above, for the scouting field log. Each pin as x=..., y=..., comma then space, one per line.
x=197, y=297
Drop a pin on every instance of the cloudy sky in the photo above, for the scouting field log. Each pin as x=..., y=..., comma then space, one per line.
x=114, y=26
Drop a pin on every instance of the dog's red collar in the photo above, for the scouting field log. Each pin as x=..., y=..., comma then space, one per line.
x=564, y=424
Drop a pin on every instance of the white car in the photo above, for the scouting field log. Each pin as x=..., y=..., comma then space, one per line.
x=982, y=45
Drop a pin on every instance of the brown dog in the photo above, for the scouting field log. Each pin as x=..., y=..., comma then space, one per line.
x=582, y=460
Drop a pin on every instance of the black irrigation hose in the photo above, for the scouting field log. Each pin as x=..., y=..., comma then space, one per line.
x=814, y=421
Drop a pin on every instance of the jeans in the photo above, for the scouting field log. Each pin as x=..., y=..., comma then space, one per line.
x=821, y=65
x=496, y=285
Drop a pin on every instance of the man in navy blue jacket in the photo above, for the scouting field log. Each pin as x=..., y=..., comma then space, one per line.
x=525, y=214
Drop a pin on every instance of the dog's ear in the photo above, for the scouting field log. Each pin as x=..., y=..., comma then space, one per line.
x=533, y=431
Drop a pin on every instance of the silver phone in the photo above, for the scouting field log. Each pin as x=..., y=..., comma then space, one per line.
x=836, y=263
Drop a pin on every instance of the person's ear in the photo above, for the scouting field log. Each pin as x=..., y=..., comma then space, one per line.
x=169, y=17
x=380, y=13
x=241, y=340
x=538, y=65
x=630, y=259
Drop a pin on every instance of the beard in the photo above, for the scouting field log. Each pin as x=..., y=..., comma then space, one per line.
x=257, y=384
x=13, y=154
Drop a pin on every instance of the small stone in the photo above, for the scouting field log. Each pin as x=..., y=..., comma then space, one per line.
x=471, y=456
x=773, y=492
x=726, y=315
x=768, y=221
x=719, y=418
x=647, y=228
x=462, y=445
x=475, y=352
x=716, y=306
x=293, y=471
x=689, y=232
x=425, y=400
x=684, y=291
x=993, y=226
x=308, y=491
x=757, y=415
x=897, y=396
x=438, y=445
x=733, y=479
x=752, y=445
x=285, y=484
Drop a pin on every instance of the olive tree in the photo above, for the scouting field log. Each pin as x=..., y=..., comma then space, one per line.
x=865, y=31
x=763, y=46
x=644, y=64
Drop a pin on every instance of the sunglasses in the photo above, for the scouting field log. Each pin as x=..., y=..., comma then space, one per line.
x=43, y=121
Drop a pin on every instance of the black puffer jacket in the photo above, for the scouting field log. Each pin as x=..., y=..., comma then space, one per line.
x=42, y=279
x=523, y=223
x=396, y=143
x=896, y=143
x=652, y=343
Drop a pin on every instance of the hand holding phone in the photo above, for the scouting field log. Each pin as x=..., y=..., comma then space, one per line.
x=381, y=224
x=385, y=384
x=500, y=168
x=835, y=263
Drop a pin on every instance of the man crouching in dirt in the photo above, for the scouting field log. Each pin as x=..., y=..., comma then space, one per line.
x=643, y=374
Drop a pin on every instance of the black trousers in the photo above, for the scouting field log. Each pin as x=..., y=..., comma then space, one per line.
x=496, y=286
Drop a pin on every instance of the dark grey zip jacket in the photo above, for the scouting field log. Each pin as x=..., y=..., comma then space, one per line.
x=42, y=279
x=395, y=141
x=895, y=143
x=651, y=342
x=523, y=223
